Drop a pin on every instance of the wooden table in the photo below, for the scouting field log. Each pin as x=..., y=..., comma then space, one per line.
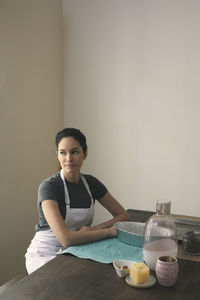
x=69, y=277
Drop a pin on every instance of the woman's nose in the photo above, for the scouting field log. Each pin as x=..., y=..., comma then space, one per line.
x=68, y=157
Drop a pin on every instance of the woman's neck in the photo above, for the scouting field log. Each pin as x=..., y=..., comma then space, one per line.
x=74, y=178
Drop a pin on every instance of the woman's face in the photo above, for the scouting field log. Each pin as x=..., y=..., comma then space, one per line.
x=70, y=155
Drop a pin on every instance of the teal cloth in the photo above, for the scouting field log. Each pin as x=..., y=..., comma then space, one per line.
x=106, y=251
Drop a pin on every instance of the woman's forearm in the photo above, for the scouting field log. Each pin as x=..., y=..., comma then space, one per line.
x=121, y=217
x=83, y=237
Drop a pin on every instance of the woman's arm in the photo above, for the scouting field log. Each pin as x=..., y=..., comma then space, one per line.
x=67, y=237
x=116, y=210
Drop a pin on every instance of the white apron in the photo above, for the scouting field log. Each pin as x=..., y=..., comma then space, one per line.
x=44, y=244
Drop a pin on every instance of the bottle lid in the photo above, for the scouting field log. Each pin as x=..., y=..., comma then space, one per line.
x=163, y=207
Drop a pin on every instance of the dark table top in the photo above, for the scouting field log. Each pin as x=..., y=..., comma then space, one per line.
x=69, y=277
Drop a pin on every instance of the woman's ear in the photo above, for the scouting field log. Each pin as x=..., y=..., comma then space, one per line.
x=85, y=154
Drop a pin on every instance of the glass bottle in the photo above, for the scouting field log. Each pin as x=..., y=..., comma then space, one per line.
x=160, y=235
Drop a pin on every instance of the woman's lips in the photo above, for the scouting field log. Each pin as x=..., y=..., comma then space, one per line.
x=69, y=166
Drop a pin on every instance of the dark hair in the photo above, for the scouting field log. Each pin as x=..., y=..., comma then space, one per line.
x=72, y=132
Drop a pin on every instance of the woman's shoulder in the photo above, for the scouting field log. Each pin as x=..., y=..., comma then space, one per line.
x=54, y=179
x=97, y=188
x=90, y=178
x=51, y=188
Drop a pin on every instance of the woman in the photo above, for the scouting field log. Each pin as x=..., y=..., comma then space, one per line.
x=66, y=204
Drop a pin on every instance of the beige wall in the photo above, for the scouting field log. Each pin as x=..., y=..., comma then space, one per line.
x=131, y=83
x=30, y=116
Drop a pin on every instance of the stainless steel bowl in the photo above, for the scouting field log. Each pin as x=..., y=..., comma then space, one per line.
x=130, y=233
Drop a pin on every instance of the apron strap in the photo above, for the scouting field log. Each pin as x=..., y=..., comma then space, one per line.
x=87, y=187
x=67, y=200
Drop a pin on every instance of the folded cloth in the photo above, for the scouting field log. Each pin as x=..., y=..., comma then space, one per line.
x=106, y=251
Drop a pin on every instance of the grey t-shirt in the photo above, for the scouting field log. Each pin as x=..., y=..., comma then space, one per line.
x=52, y=188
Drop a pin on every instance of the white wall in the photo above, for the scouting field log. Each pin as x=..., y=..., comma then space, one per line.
x=131, y=83
x=30, y=116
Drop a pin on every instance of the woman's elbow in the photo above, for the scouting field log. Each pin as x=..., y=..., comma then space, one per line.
x=65, y=241
x=126, y=216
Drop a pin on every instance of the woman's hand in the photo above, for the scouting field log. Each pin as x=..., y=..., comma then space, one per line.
x=86, y=228
x=113, y=231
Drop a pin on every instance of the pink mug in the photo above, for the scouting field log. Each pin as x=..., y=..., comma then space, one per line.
x=167, y=270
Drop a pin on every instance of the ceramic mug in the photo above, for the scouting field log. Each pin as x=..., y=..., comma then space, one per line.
x=167, y=270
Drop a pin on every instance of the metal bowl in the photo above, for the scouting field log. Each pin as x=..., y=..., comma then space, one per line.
x=130, y=233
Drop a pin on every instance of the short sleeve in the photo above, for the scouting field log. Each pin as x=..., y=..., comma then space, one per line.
x=50, y=189
x=47, y=191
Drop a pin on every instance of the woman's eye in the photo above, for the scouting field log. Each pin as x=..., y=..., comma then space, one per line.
x=62, y=153
x=75, y=152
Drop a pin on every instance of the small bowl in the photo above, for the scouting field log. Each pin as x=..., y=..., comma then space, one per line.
x=121, y=263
